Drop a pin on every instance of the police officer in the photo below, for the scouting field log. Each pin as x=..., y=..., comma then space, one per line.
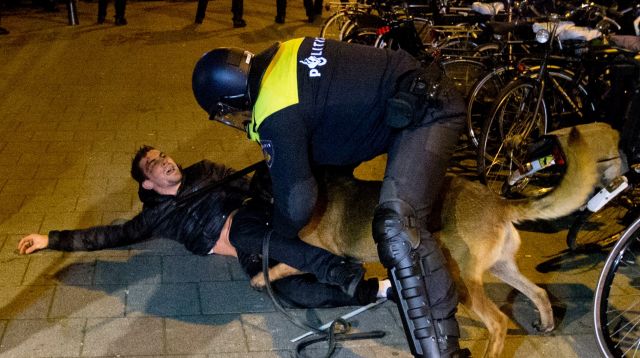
x=312, y=101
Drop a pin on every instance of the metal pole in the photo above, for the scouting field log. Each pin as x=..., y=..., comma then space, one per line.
x=72, y=12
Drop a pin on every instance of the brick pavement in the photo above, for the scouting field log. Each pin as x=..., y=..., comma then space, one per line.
x=75, y=103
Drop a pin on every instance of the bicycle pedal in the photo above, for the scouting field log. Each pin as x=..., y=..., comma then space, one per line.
x=607, y=193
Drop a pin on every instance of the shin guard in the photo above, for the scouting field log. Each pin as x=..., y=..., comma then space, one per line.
x=395, y=239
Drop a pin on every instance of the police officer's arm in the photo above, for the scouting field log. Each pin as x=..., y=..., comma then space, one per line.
x=294, y=187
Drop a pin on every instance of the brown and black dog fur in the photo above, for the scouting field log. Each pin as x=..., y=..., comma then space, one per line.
x=477, y=229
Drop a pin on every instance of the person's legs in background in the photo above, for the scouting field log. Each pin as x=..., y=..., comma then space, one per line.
x=120, y=6
x=313, y=9
x=102, y=10
x=237, y=10
x=281, y=11
x=3, y=31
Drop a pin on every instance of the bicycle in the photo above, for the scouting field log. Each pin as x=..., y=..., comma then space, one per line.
x=601, y=222
x=616, y=313
x=535, y=102
x=334, y=27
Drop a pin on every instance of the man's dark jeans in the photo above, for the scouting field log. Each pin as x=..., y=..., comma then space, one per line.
x=250, y=226
x=304, y=291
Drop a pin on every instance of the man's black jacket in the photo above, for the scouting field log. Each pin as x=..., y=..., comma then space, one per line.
x=196, y=225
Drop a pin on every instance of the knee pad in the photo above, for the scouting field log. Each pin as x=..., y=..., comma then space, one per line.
x=394, y=231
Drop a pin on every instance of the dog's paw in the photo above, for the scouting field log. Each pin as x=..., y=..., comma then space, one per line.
x=539, y=327
x=257, y=282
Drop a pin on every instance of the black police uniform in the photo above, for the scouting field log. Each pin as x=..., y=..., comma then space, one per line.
x=323, y=102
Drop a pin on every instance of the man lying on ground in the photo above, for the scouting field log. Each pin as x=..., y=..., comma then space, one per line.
x=229, y=220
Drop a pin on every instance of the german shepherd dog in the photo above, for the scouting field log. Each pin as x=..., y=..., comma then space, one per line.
x=477, y=226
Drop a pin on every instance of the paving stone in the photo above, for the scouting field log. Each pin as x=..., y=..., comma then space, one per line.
x=39, y=186
x=192, y=268
x=11, y=203
x=24, y=302
x=271, y=331
x=88, y=301
x=137, y=269
x=103, y=202
x=54, y=171
x=124, y=337
x=3, y=324
x=42, y=338
x=48, y=203
x=12, y=270
x=80, y=186
x=205, y=334
x=55, y=268
x=232, y=297
x=164, y=300
x=558, y=346
x=69, y=220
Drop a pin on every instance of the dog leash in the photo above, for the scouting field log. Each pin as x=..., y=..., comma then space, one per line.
x=332, y=335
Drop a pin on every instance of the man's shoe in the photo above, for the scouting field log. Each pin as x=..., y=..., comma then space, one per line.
x=280, y=19
x=346, y=275
x=100, y=20
x=239, y=23
x=120, y=21
x=3, y=31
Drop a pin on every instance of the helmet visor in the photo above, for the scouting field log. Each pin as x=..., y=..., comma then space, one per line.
x=231, y=116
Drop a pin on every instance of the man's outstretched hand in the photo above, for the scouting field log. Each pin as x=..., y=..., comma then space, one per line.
x=32, y=243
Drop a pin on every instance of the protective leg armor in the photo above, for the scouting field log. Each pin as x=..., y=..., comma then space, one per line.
x=410, y=264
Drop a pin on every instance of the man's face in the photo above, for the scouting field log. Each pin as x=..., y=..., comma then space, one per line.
x=161, y=171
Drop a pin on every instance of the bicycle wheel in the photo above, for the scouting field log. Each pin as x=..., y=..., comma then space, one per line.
x=457, y=46
x=597, y=230
x=568, y=103
x=464, y=73
x=332, y=27
x=482, y=95
x=362, y=36
x=517, y=119
x=616, y=307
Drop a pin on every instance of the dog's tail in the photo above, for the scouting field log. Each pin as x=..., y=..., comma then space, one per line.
x=573, y=191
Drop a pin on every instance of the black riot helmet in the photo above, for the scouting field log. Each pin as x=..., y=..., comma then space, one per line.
x=220, y=85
